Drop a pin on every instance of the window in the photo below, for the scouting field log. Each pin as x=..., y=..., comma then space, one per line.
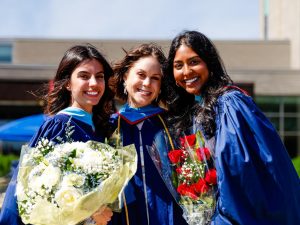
x=284, y=114
x=5, y=53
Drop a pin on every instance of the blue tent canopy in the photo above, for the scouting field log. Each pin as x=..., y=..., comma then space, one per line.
x=21, y=129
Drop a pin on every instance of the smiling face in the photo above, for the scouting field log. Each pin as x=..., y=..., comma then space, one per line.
x=190, y=71
x=143, y=81
x=87, y=85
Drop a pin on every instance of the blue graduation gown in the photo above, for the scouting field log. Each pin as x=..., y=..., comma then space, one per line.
x=163, y=210
x=256, y=180
x=51, y=128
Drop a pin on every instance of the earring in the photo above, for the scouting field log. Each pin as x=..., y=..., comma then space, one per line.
x=125, y=91
x=177, y=84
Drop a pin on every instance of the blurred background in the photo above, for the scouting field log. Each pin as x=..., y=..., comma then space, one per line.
x=259, y=41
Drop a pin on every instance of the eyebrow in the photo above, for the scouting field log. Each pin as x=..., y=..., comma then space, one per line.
x=191, y=58
x=86, y=72
x=156, y=74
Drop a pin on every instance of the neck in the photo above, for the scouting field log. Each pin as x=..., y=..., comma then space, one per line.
x=79, y=108
x=131, y=105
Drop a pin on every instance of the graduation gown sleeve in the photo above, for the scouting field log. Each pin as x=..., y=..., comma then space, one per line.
x=256, y=180
x=51, y=129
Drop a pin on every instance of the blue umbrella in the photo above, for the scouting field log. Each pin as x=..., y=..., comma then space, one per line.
x=21, y=129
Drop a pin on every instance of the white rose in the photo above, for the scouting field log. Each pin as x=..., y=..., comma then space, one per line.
x=67, y=196
x=90, y=162
x=73, y=179
x=34, y=177
x=50, y=176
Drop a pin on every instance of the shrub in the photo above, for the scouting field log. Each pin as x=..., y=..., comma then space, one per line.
x=5, y=163
x=296, y=162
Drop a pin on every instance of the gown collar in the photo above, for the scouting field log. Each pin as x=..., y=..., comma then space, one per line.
x=199, y=99
x=136, y=115
x=79, y=114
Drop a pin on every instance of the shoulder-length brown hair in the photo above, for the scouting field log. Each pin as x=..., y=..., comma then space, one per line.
x=123, y=66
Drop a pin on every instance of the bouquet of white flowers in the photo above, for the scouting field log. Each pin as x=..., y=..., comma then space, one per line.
x=66, y=183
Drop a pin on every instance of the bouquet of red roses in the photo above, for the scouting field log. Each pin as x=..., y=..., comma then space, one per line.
x=194, y=177
x=188, y=172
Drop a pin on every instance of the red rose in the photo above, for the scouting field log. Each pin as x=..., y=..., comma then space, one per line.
x=201, y=186
x=184, y=189
x=175, y=156
x=211, y=176
x=188, y=140
x=179, y=170
x=181, y=189
x=203, y=153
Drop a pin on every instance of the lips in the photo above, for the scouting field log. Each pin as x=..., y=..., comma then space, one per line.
x=191, y=80
x=92, y=93
x=144, y=92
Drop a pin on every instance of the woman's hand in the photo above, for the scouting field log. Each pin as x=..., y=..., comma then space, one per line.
x=102, y=216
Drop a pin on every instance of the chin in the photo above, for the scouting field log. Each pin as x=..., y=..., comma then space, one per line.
x=92, y=103
x=145, y=102
x=193, y=91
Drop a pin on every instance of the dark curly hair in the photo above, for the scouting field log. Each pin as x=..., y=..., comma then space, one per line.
x=123, y=66
x=182, y=104
x=59, y=97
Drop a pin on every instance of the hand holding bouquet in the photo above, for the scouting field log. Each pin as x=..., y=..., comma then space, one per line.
x=102, y=216
x=66, y=183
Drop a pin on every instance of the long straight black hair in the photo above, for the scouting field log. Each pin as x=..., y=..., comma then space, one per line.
x=181, y=104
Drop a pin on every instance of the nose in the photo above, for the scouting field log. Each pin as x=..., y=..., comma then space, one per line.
x=146, y=81
x=186, y=70
x=93, y=81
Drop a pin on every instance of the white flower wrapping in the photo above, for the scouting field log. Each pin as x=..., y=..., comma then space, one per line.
x=66, y=183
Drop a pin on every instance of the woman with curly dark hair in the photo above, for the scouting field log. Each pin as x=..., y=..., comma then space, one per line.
x=257, y=183
x=79, y=108
x=139, y=80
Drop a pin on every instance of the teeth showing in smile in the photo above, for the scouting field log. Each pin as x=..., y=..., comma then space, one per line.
x=92, y=92
x=189, y=81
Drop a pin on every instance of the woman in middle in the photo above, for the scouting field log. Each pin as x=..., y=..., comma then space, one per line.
x=138, y=79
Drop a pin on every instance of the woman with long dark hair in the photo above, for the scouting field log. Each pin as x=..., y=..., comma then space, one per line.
x=257, y=183
x=79, y=107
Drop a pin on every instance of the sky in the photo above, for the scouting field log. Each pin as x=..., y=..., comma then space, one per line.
x=128, y=19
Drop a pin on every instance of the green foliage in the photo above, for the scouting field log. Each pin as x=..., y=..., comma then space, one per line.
x=5, y=163
x=296, y=162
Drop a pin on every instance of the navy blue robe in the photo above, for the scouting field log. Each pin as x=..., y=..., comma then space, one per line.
x=51, y=129
x=163, y=210
x=256, y=180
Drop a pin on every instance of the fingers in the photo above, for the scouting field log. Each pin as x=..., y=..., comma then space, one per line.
x=107, y=212
x=102, y=216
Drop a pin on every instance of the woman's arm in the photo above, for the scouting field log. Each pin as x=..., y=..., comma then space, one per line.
x=256, y=179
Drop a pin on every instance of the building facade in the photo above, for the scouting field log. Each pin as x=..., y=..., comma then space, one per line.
x=264, y=65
